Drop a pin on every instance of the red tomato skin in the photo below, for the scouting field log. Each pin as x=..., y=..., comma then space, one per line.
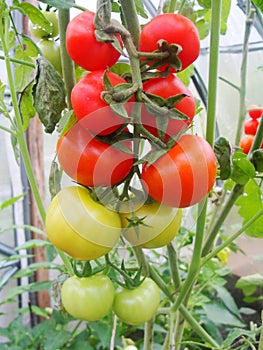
x=91, y=162
x=255, y=111
x=167, y=87
x=90, y=108
x=184, y=175
x=251, y=126
x=83, y=47
x=246, y=143
x=175, y=29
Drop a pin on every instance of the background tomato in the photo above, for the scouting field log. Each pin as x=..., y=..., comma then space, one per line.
x=138, y=305
x=246, y=143
x=81, y=227
x=83, y=47
x=255, y=111
x=51, y=51
x=175, y=29
x=251, y=126
x=184, y=175
x=88, y=298
x=160, y=224
x=89, y=107
x=165, y=88
x=39, y=32
x=91, y=162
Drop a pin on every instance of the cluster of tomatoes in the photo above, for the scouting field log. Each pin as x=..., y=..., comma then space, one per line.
x=100, y=153
x=47, y=43
x=250, y=127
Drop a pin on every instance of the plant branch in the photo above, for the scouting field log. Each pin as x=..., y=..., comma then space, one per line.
x=258, y=139
x=131, y=20
x=237, y=191
x=148, y=335
x=213, y=70
x=67, y=63
x=243, y=82
x=260, y=345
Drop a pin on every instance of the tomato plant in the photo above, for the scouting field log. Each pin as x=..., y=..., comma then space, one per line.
x=255, y=111
x=149, y=225
x=84, y=48
x=250, y=126
x=184, y=175
x=39, y=32
x=51, y=51
x=79, y=226
x=89, y=106
x=88, y=298
x=137, y=305
x=165, y=88
x=175, y=29
x=85, y=158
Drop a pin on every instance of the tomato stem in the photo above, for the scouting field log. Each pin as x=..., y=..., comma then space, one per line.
x=243, y=79
x=67, y=63
x=236, y=192
x=213, y=70
x=260, y=345
x=173, y=262
x=258, y=138
x=231, y=239
x=131, y=20
x=148, y=334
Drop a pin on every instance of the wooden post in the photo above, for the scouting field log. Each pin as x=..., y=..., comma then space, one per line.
x=35, y=146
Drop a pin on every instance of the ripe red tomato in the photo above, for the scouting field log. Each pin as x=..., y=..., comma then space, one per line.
x=91, y=162
x=89, y=107
x=175, y=29
x=83, y=47
x=184, y=175
x=255, y=111
x=246, y=143
x=165, y=88
x=251, y=126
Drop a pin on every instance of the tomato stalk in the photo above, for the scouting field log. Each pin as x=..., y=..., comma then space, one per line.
x=236, y=192
x=148, y=335
x=67, y=63
x=260, y=345
x=242, y=91
x=258, y=138
x=173, y=262
x=231, y=239
x=131, y=20
x=20, y=134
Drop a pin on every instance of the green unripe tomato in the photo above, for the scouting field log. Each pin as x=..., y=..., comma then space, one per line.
x=51, y=51
x=39, y=32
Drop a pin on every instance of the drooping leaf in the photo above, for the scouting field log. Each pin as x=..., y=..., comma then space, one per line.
x=54, y=180
x=250, y=283
x=223, y=151
x=220, y=315
x=26, y=105
x=250, y=204
x=33, y=243
x=11, y=201
x=49, y=94
x=140, y=8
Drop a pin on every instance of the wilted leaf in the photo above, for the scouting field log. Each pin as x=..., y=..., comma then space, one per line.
x=49, y=94
x=26, y=105
x=223, y=151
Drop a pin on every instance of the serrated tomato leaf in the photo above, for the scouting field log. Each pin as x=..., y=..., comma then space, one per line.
x=250, y=204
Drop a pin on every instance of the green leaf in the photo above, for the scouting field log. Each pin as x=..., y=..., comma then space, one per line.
x=32, y=287
x=243, y=170
x=140, y=8
x=220, y=315
x=60, y=4
x=54, y=180
x=223, y=151
x=257, y=160
x=250, y=203
x=237, y=333
x=259, y=4
x=228, y=300
x=34, y=14
x=11, y=201
x=226, y=6
x=49, y=94
x=120, y=68
x=249, y=284
x=22, y=72
x=26, y=105
x=33, y=243
x=186, y=74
